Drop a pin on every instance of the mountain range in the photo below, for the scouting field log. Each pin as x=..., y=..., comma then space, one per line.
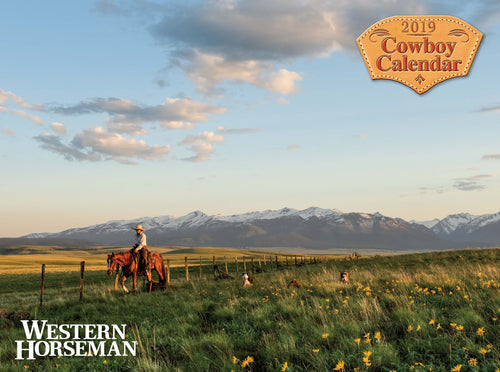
x=309, y=228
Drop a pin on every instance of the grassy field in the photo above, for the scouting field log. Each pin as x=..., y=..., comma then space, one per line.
x=418, y=312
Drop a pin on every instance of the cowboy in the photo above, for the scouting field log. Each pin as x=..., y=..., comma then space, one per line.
x=139, y=248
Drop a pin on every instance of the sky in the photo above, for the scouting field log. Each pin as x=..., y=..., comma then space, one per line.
x=114, y=110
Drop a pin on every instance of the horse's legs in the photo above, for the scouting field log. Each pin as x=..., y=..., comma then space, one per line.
x=134, y=276
x=150, y=280
x=123, y=284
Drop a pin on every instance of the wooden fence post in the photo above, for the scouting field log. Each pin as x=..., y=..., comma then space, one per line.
x=236, y=261
x=286, y=259
x=295, y=260
x=168, y=271
x=82, y=273
x=252, y=266
x=187, y=268
x=277, y=266
x=42, y=286
x=259, y=262
x=200, y=267
x=265, y=263
x=225, y=263
x=244, y=265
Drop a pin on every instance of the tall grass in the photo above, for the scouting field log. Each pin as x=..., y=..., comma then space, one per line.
x=406, y=313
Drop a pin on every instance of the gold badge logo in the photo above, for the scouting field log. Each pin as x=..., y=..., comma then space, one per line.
x=419, y=51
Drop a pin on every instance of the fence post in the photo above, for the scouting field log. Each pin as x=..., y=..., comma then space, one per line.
x=265, y=263
x=168, y=271
x=244, y=265
x=43, y=284
x=200, y=267
x=236, y=261
x=225, y=262
x=82, y=273
x=259, y=262
x=252, y=266
x=295, y=260
x=277, y=266
x=286, y=259
x=187, y=268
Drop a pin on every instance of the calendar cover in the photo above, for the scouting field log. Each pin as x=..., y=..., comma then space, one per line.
x=231, y=185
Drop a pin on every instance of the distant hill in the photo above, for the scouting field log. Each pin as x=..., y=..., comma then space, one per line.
x=313, y=227
x=18, y=245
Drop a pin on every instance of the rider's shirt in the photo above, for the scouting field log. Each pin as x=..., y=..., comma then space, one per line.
x=140, y=241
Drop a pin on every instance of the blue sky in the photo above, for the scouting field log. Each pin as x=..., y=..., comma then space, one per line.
x=122, y=109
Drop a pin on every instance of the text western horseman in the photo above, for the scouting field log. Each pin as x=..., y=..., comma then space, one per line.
x=66, y=340
x=419, y=51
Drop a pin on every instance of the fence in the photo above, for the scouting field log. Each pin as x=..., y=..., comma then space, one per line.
x=204, y=267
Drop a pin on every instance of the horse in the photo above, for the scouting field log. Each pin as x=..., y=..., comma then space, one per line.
x=129, y=268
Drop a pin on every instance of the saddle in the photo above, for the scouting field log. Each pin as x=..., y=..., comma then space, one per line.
x=144, y=264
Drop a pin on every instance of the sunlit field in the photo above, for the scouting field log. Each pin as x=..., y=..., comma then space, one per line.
x=415, y=312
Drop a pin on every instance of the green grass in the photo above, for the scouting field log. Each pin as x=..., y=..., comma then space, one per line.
x=418, y=312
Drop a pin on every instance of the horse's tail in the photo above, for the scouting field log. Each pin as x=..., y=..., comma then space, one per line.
x=163, y=282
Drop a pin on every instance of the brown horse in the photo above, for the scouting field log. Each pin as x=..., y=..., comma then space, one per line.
x=129, y=268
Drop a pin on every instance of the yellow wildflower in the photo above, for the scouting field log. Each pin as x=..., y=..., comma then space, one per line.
x=325, y=335
x=438, y=326
x=418, y=327
x=104, y=362
x=285, y=367
x=339, y=366
x=410, y=328
x=367, y=353
x=247, y=361
x=460, y=327
x=235, y=360
x=315, y=350
x=480, y=331
x=473, y=362
x=457, y=368
x=377, y=336
x=482, y=351
x=367, y=335
x=432, y=321
x=357, y=340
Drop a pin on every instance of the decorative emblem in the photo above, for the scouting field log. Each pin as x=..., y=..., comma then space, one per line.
x=419, y=51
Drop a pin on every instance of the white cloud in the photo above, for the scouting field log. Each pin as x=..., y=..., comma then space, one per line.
x=236, y=130
x=97, y=144
x=58, y=128
x=8, y=132
x=177, y=124
x=293, y=147
x=127, y=117
x=201, y=145
x=207, y=71
x=283, y=101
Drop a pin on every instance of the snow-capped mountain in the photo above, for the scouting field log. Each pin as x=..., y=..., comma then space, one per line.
x=309, y=228
x=465, y=227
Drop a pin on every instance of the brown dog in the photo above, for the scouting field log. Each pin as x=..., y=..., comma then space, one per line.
x=344, y=277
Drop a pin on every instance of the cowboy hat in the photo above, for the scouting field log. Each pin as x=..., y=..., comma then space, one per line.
x=138, y=227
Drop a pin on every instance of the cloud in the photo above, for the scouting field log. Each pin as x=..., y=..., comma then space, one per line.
x=361, y=136
x=237, y=130
x=18, y=101
x=490, y=109
x=127, y=117
x=97, y=144
x=472, y=183
x=5, y=96
x=8, y=132
x=491, y=156
x=217, y=41
x=207, y=71
x=58, y=128
x=283, y=101
x=201, y=145
x=293, y=147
